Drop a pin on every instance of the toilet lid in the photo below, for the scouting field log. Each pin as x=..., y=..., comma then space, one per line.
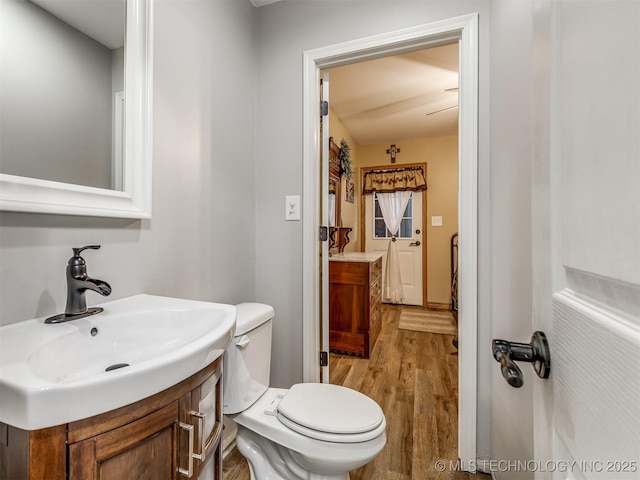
x=331, y=412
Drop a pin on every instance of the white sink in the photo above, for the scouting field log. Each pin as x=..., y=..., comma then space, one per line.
x=54, y=374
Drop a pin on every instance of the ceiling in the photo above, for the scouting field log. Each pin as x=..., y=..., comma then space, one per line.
x=102, y=20
x=396, y=97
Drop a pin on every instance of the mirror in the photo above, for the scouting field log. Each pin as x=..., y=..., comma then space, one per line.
x=332, y=202
x=338, y=234
x=98, y=161
x=61, y=73
x=335, y=219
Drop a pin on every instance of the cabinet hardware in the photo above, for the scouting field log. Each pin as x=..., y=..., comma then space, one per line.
x=203, y=448
x=189, y=472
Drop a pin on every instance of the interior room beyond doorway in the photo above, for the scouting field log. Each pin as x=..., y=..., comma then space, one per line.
x=408, y=102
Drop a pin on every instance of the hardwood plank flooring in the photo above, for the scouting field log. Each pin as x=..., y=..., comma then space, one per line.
x=414, y=378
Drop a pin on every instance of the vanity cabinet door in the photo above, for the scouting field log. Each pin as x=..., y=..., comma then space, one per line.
x=201, y=419
x=144, y=449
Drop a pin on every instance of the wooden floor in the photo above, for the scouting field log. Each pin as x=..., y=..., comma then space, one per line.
x=414, y=377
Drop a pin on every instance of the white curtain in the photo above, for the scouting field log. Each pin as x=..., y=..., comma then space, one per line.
x=393, y=206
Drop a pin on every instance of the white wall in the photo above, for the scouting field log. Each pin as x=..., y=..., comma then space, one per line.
x=286, y=30
x=200, y=242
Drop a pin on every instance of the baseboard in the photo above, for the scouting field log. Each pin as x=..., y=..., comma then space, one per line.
x=226, y=451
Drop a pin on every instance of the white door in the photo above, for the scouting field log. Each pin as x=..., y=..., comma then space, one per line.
x=586, y=242
x=409, y=241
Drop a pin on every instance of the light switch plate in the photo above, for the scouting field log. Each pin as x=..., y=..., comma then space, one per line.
x=292, y=207
x=436, y=221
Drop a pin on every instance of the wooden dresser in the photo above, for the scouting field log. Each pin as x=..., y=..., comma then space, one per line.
x=355, y=302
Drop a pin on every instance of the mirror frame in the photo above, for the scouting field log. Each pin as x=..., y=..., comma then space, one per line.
x=31, y=195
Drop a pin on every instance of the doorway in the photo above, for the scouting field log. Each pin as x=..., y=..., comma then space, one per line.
x=464, y=30
x=372, y=105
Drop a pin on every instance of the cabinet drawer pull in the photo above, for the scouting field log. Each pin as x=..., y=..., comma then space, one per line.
x=189, y=472
x=203, y=449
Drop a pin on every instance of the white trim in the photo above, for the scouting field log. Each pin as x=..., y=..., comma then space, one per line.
x=311, y=221
x=324, y=220
x=465, y=30
x=468, y=243
x=23, y=194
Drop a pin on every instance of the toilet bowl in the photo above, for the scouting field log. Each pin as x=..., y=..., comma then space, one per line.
x=312, y=431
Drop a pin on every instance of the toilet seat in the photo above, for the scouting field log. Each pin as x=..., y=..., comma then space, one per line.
x=331, y=413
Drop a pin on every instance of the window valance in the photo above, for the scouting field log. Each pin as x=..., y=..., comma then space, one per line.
x=394, y=180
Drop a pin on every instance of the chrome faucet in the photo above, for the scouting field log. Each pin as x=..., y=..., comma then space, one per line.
x=78, y=282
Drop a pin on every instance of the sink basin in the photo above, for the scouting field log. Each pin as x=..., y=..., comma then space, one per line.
x=138, y=346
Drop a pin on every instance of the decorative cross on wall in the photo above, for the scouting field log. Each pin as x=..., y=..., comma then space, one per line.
x=392, y=150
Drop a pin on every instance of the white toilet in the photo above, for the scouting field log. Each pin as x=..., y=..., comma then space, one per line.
x=312, y=431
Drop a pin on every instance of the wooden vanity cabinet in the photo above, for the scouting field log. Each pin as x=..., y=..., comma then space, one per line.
x=155, y=438
x=355, y=305
x=146, y=448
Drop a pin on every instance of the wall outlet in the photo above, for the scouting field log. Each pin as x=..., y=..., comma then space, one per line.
x=292, y=207
x=436, y=221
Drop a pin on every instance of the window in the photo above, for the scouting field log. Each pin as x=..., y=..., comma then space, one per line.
x=380, y=229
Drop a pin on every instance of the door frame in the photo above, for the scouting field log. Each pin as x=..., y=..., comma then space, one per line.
x=363, y=226
x=463, y=29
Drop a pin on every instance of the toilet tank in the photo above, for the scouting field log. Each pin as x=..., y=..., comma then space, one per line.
x=247, y=360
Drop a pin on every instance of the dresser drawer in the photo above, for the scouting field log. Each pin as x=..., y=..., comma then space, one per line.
x=376, y=294
x=351, y=273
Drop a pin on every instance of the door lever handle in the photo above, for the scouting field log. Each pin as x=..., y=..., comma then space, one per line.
x=536, y=352
x=415, y=244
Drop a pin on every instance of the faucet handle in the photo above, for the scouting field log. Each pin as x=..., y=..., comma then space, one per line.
x=77, y=259
x=77, y=251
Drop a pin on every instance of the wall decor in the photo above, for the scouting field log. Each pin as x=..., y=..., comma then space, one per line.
x=393, y=151
x=350, y=191
x=345, y=159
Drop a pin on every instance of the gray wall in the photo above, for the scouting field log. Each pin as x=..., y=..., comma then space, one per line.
x=117, y=70
x=200, y=243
